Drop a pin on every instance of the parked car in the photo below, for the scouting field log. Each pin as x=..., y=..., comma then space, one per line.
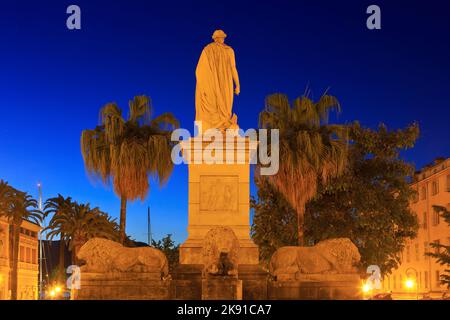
x=382, y=296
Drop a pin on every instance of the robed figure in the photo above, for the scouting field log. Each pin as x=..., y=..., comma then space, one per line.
x=216, y=75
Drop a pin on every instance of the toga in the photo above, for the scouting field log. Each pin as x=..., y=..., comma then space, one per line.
x=214, y=90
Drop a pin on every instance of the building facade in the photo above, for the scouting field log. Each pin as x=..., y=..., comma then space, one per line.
x=433, y=188
x=28, y=266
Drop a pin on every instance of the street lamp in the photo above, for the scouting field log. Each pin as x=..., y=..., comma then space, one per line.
x=410, y=283
x=366, y=288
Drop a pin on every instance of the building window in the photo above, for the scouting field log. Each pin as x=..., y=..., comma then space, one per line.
x=435, y=187
x=438, y=278
x=408, y=256
x=435, y=217
x=425, y=220
x=21, y=254
x=416, y=247
x=423, y=192
x=425, y=249
x=426, y=279
x=395, y=282
x=419, y=281
x=34, y=256
x=415, y=196
x=28, y=255
x=448, y=183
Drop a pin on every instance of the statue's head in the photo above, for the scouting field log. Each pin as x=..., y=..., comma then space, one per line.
x=219, y=36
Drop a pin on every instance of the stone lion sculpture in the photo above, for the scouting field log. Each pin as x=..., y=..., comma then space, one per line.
x=220, y=252
x=333, y=256
x=106, y=256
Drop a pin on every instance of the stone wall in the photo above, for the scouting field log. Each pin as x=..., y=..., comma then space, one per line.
x=322, y=287
x=124, y=286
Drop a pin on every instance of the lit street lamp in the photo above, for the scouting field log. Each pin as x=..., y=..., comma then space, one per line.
x=410, y=283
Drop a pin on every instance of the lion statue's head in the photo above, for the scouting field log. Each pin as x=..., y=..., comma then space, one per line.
x=220, y=249
x=341, y=251
x=98, y=254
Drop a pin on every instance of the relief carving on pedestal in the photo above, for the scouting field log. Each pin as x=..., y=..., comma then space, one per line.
x=219, y=193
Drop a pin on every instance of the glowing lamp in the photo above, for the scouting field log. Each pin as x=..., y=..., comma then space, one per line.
x=409, y=284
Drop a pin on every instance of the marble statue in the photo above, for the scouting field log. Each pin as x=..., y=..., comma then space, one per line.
x=216, y=72
x=332, y=256
x=106, y=256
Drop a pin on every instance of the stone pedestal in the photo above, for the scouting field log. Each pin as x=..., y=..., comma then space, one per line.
x=317, y=287
x=219, y=195
x=222, y=288
x=254, y=282
x=123, y=286
x=187, y=282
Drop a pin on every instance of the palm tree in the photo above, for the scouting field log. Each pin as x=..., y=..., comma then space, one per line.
x=17, y=206
x=59, y=206
x=78, y=224
x=125, y=152
x=5, y=195
x=311, y=150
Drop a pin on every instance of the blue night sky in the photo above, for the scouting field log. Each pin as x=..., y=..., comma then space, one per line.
x=54, y=81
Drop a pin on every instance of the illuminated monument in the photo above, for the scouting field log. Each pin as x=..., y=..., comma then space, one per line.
x=218, y=260
x=219, y=189
x=218, y=192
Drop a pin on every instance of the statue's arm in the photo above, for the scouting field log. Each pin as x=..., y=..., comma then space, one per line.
x=235, y=74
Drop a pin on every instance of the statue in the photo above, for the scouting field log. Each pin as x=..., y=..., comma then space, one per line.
x=332, y=256
x=106, y=256
x=220, y=252
x=215, y=73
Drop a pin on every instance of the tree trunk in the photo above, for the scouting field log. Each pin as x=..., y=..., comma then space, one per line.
x=15, y=261
x=62, y=246
x=123, y=218
x=74, y=256
x=300, y=235
x=75, y=250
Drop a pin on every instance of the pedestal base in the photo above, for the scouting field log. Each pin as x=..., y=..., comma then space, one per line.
x=191, y=252
x=317, y=287
x=221, y=289
x=219, y=195
x=254, y=282
x=187, y=282
x=123, y=286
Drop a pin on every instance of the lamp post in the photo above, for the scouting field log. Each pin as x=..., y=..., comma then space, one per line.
x=410, y=283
